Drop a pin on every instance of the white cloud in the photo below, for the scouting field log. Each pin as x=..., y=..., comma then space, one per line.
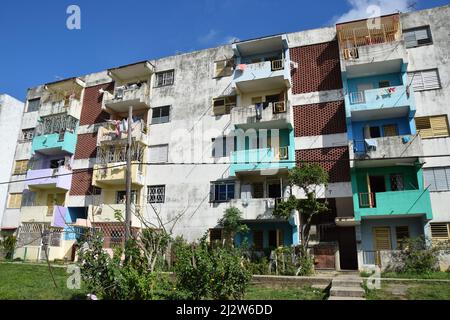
x=214, y=37
x=230, y=39
x=361, y=9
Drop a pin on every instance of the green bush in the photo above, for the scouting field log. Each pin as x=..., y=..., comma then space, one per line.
x=9, y=245
x=210, y=272
x=417, y=256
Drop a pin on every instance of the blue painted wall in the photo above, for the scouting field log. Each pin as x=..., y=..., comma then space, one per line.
x=74, y=213
x=416, y=229
x=402, y=123
x=395, y=79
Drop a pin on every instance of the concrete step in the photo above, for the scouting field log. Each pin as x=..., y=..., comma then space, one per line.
x=347, y=292
x=345, y=298
x=338, y=282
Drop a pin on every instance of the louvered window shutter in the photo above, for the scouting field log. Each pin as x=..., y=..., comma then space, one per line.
x=440, y=179
x=159, y=154
x=410, y=39
x=428, y=176
x=439, y=126
x=423, y=126
x=430, y=79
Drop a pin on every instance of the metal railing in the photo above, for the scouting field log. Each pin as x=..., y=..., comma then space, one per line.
x=118, y=153
x=372, y=258
x=357, y=97
x=56, y=124
x=367, y=200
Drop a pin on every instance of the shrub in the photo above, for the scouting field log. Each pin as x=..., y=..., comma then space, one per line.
x=210, y=272
x=417, y=256
x=8, y=245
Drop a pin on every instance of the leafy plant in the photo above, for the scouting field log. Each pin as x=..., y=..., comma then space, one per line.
x=211, y=272
x=8, y=245
x=231, y=222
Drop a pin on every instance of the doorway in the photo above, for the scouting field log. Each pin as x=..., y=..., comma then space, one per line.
x=347, y=248
x=377, y=184
x=274, y=189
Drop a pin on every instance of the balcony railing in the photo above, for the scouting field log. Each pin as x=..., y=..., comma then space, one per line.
x=357, y=97
x=367, y=200
x=56, y=124
x=118, y=153
x=395, y=96
x=260, y=113
x=58, y=178
x=399, y=146
x=139, y=132
x=52, y=107
x=123, y=95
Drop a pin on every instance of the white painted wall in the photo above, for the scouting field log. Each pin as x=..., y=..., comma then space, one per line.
x=10, y=124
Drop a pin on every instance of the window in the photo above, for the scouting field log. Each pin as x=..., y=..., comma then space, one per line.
x=258, y=190
x=258, y=240
x=424, y=80
x=96, y=191
x=20, y=167
x=417, y=37
x=397, y=183
x=440, y=230
x=384, y=84
x=437, y=179
x=33, y=105
x=223, y=105
x=15, y=201
x=434, y=126
x=390, y=130
x=375, y=132
x=222, y=191
x=27, y=135
x=276, y=238
x=28, y=198
x=159, y=154
x=161, y=115
x=215, y=235
x=164, y=78
x=402, y=234
x=121, y=197
x=56, y=163
x=156, y=194
x=223, y=68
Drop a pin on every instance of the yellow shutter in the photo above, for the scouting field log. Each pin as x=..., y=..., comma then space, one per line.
x=14, y=201
x=439, y=126
x=21, y=167
x=423, y=126
x=382, y=238
x=390, y=130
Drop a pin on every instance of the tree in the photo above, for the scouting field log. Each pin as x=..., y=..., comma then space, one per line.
x=307, y=177
x=231, y=222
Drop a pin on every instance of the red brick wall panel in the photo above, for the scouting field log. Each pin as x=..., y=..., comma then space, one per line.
x=334, y=160
x=81, y=182
x=320, y=119
x=318, y=68
x=91, y=111
x=86, y=146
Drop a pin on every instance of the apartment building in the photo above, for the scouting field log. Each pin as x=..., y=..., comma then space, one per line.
x=220, y=128
x=11, y=111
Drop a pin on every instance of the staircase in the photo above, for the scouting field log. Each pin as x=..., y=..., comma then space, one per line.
x=347, y=286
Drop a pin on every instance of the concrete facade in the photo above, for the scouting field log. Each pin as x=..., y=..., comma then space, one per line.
x=295, y=97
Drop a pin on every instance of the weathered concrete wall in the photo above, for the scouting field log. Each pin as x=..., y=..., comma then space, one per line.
x=10, y=122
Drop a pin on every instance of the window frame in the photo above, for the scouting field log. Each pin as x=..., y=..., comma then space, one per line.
x=13, y=194
x=160, y=117
x=163, y=73
x=166, y=145
x=28, y=104
x=163, y=186
x=410, y=80
x=430, y=36
x=23, y=136
x=432, y=136
x=23, y=163
x=215, y=194
x=436, y=237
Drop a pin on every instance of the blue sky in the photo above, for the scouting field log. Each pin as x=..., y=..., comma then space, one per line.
x=36, y=47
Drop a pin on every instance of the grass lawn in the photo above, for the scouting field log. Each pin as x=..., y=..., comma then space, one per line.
x=410, y=291
x=33, y=282
x=257, y=292
x=431, y=275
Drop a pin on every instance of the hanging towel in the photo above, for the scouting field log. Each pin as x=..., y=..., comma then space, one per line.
x=258, y=109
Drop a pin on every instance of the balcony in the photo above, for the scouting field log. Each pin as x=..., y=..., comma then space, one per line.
x=135, y=95
x=369, y=46
x=114, y=174
x=366, y=105
x=264, y=159
x=45, y=179
x=70, y=106
x=55, y=215
x=275, y=115
x=393, y=204
x=131, y=87
x=395, y=147
x=51, y=144
x=109, y=135
x=107, y=213
x=255, y=209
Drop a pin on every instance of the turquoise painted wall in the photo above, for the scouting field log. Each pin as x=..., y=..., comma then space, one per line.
x=413, y=200
x=247, y=156
x=50, y=141
x=290, y=233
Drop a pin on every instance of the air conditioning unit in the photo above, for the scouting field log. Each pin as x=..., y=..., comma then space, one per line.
x=283, y=153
